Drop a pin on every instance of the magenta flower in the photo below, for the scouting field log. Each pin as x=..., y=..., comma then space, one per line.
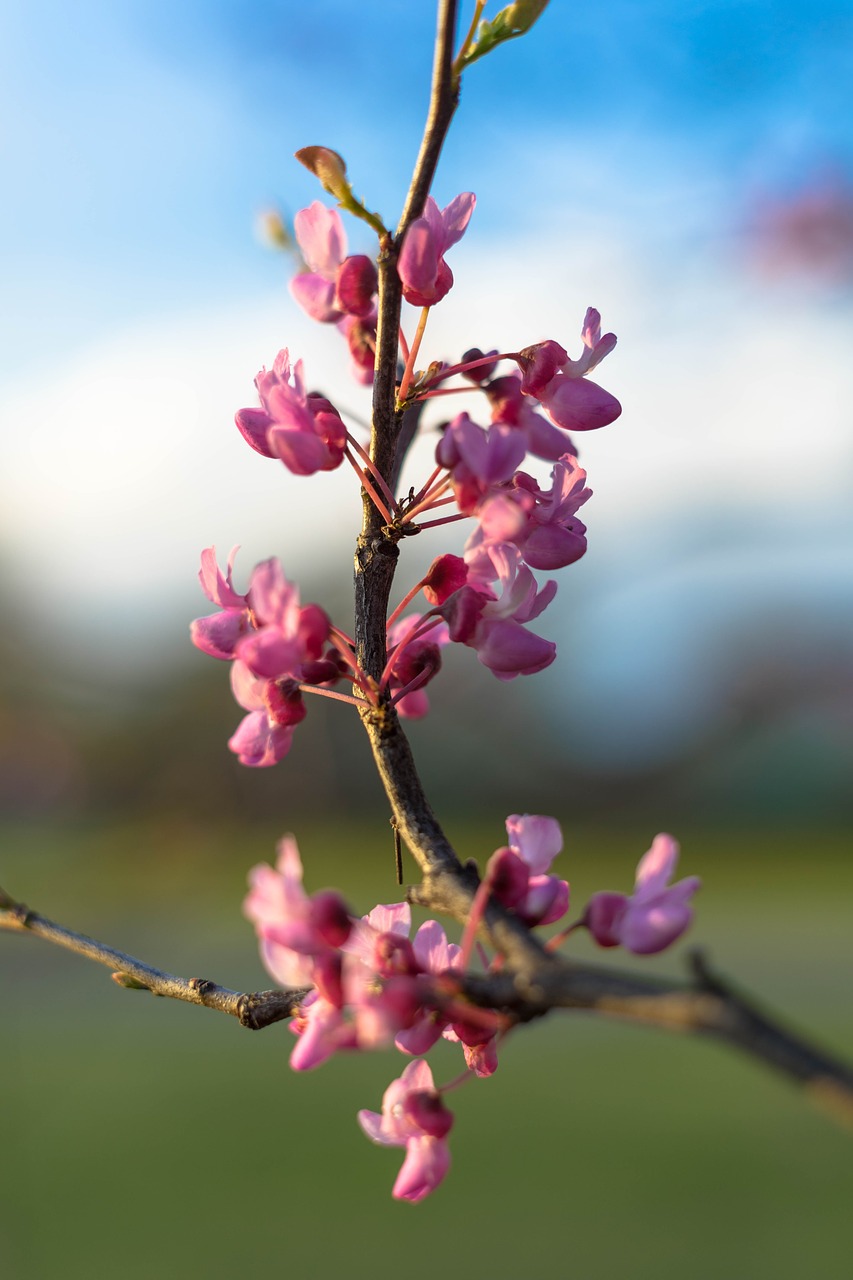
x=553, y=536
x=494, y=624
x=479, y=459
x=657, y=912
x=512, y=406
x=335, y=285
x=218, y=634
x=305, y=432
x=413, y=1116
x=293, y=928
x=517, y=873
x=287, y=638
x=559, y=384
x=425, y=275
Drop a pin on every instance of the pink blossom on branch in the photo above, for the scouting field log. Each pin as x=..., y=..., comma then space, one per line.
x=559, y=384
x=303, y=431
x=656, y=914
x=413, y=1116
x=335, y=285
x=425, y=275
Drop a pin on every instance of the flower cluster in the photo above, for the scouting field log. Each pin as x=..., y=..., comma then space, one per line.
x=277, y=648
x=372, y=986
x=369, y=984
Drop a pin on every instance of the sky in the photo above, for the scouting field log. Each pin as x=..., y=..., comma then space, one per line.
x=684, y=167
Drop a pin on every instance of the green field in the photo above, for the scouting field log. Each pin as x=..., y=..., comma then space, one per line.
x=142, y=1138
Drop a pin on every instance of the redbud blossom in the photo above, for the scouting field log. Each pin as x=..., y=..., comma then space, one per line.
x=446, y=574
x=413, y=1116
x=655, y=915
x=558, y=382
x=217, y=634
x=292, y=927
x=492, y=624
x=304, y=431
x=509, y=405
x=425, y=275
x=336, y=285
x=478, y=459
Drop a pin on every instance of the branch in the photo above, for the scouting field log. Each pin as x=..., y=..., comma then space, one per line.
x=707, y=1007
x=386, y=421
x=255, y=1010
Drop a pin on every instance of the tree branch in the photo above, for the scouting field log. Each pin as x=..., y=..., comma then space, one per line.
x=709, y=1006
x=255, y=1010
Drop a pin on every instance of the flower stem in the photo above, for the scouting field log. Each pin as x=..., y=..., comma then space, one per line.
x=413, y=355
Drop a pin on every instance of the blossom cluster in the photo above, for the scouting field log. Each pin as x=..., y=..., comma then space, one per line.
x=373, y=986
x=369, y=984
x=487, y=598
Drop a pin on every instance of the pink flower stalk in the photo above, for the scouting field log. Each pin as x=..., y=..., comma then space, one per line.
x=305, y=432
x=425, y=275
x=335, y=285
x=657, y=912
x=413, y=1116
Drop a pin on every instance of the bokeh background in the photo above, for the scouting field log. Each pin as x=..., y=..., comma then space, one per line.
x=686, y=168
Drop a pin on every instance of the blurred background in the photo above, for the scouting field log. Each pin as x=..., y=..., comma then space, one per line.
x=688, y=169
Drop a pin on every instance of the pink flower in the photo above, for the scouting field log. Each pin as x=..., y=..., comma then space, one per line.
x=510, y=405
x=655, y=915
x=479, y=459
x=335, y=285
x=293, y=928
x=218, y=634
x=413, y=1116
x=305, y=432
x=559, y=384
x=553, y=537
x=516, y=873
x=493, y=624
x=425, y=275
x=286, y=637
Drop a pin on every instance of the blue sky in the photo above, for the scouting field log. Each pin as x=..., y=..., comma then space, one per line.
x=617, y=156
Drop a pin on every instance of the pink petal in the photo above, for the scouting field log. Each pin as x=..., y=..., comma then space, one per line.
x=321, y=237
x=316, y=296
x=425, y=1166
x=535, y=838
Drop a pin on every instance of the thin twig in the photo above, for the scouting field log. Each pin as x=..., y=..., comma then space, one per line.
x=255, y=1010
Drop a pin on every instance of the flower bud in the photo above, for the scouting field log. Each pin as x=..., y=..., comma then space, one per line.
x=330, y=917
x=521, y=15
x=356, y=283
x=329, y=167
x=483, y=371
x=425, y=1108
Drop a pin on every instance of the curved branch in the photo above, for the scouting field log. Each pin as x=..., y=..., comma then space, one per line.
x=254, y=1010
x=709, y=1006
